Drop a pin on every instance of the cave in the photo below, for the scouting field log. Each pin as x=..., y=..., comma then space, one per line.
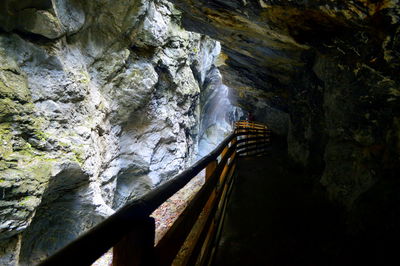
x=104, y=102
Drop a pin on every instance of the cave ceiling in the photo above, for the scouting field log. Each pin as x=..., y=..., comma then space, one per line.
x=268, y=43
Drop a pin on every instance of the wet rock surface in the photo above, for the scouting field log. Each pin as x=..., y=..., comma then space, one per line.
x=99, y=103
x=114, y=97
x=331, y=66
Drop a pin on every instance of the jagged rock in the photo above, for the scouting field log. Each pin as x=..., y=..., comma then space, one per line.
x=329, y=66
x=97, y=113
x=71, y=15
x=131, y=89
x=120, y=94
x=44, y=18
x=40, y=22
x=153, y=30
x=218, y=113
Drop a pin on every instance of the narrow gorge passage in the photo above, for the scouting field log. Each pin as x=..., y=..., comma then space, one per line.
x=100, y=103
x=104, y=101
x=275, y=217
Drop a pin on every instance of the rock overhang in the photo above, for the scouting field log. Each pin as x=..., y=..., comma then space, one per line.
x=331, y=65
x=269, y=42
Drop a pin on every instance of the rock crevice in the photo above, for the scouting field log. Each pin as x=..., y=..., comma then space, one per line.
x=100, y=103
x=330, y=69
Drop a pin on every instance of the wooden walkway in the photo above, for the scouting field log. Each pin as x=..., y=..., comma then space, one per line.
x=274, y=218
x=131, y=230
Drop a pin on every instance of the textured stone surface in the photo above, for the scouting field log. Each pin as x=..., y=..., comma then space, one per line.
x=332, y=66
x=218, y=113
x=99, y=103
x=117, y=94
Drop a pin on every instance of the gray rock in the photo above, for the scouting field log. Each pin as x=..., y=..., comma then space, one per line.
x=325, y=73
x=218, y=113
x=70, y=14
x=94, y=119
x=8, y=256
x=40, y=22
x=153, y=30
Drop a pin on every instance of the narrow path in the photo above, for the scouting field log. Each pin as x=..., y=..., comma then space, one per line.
x=274, y=218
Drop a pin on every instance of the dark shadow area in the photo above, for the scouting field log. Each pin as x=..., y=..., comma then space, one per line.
x=277, y=216
x=60, y=217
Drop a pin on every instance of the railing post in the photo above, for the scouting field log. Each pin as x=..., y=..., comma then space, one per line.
x=233, y=142
x=265, y=137
x=136, y=248
x=211, y=168
x=247, y=136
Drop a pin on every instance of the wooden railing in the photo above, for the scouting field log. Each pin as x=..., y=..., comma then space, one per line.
x=255, y=139
x=131, y=230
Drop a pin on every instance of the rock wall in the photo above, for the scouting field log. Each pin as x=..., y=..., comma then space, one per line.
x=99, y=103
x=102, y=100
x=332, y=67
x=218, y=112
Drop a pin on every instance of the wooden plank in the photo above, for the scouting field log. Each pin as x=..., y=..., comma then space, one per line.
x=248, y=133
x=260, y=153
x=188, y=260
x=225, y=159
x=220, y=223
x=98, y=240
x=196, y=252
x=206, y=230
x=256, y=138
x=196, y=234
x=136, y=248
x=207, y=243
x=223, y=175
x=252, y=144
x=263, y=147
x=160, y=194
x=170, y=244
x=211, y=168
x=234, y=142
x=210, y=240
x=250, y=126
x=222, y=198
x=253, y=129
x=224, y=151
x=249, y=122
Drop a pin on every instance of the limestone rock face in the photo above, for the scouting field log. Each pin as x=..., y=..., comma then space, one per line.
x=219, y=110
x=99, y=103
x=218, y=113
x=331, y=69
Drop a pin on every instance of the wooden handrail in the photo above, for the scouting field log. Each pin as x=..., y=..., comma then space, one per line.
x=131, y=229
